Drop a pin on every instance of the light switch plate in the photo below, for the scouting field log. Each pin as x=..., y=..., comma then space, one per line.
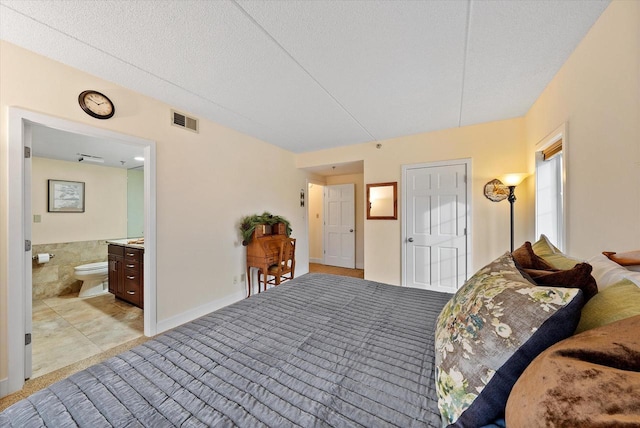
x=37, y=218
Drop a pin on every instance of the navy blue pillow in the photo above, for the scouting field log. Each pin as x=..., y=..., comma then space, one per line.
x=492, y=401
x=489, y=332
x=500, y=423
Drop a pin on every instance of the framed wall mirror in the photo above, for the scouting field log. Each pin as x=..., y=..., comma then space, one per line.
x=382, y=201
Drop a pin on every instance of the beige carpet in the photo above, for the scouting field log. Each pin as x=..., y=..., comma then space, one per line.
x=36, y=384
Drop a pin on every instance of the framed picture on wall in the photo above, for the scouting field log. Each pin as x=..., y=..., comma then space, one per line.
x=66, y=196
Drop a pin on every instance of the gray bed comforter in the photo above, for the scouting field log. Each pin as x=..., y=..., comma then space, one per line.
x=320, y=350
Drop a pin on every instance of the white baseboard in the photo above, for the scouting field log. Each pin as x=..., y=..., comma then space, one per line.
x=4, y=387
x=194, y=313
x=320, y=261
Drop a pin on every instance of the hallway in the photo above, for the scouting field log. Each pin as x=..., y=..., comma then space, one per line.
x=319, y=268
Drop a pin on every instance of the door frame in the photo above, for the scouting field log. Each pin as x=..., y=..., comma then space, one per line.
x=308, y=207
x=468, y=182
x=19, y=230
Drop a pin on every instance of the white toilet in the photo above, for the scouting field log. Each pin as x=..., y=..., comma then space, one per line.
x=94, y=277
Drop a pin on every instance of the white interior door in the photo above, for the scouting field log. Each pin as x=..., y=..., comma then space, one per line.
x=339, y=226
x=435, y=225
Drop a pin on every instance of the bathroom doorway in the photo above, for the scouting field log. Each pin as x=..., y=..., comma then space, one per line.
x=74, y=316
x=21, y=123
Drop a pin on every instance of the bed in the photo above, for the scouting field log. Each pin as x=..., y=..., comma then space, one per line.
x=515, y=346
x=320, y=350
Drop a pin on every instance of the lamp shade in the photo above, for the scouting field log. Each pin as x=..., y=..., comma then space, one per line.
x=513, y=179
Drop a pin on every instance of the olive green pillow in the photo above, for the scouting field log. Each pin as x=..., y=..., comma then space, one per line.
x=552, y=255
x=618, y=301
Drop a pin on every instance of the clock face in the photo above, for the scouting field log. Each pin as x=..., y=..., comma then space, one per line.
x=96, y=104
x=496, y=191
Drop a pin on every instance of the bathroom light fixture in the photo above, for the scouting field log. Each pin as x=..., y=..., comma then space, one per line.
x=89, y=158
x=139, y=158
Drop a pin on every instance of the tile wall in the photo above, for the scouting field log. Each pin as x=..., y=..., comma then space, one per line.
x=55, y=278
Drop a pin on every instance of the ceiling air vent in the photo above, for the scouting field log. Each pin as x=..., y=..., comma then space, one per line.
x=184, y=121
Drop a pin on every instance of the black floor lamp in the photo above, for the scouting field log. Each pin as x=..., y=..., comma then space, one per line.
x=511, y=181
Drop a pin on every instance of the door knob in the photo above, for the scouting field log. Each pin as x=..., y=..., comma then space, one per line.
x=351, y=230
x=410, y=239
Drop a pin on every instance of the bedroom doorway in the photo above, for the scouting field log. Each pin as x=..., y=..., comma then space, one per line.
x=436, y=222
x=349, y=173
x=332, y=225
x=19, y=292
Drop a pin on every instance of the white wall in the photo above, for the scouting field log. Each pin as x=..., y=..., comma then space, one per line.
x=205, y=183
x=105, y=213
x=597, y=93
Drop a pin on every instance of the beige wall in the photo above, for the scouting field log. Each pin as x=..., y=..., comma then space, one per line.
x=316, y=218
x=597, y=93
x=495, y=148
x=205, y=182
x=358, y=181
x=105, y=215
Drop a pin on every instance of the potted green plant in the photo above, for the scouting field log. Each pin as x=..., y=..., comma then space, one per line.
x=248, y=224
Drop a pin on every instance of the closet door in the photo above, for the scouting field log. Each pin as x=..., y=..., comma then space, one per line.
x=435, y=222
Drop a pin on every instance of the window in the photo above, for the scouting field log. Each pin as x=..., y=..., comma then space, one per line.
x=550, y=192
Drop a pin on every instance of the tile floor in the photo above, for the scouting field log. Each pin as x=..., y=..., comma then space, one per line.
x=67, y=329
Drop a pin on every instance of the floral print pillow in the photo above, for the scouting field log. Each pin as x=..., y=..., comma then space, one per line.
x=489, y=332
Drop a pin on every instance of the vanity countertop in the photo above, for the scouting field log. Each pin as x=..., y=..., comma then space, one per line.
x=126, y=242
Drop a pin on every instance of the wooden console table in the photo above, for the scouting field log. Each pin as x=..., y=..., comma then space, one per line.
x=264, y=249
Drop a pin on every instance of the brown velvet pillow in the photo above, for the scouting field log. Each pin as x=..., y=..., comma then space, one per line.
x=526, y=258
x=588, y=380
x=577, y=277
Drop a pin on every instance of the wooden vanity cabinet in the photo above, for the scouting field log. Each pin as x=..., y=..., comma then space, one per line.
x=126, y=267
x=116, y=271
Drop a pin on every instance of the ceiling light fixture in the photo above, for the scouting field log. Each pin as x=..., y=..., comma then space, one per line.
x=139, y=158
x=89, y=158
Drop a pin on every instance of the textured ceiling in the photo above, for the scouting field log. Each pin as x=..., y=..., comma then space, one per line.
x=56, y=144
x=308, y=75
